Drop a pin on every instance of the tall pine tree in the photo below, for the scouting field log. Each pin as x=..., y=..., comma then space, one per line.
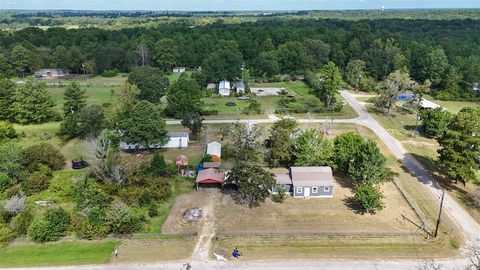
x=33, y=104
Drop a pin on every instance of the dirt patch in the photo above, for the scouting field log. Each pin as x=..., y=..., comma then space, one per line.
x=175, y=222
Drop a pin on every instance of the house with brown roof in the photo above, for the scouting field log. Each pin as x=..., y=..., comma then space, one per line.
x=307, y=182
x=211, y=176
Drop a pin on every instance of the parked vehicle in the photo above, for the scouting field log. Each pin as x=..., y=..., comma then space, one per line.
x=244, y=98
x=231, y=103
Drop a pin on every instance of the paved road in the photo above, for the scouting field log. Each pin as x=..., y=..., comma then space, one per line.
x=470, y=228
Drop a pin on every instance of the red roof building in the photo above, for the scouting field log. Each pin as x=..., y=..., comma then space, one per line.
x=210, y=176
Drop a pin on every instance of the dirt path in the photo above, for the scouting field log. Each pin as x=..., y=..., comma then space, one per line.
x=207, y=232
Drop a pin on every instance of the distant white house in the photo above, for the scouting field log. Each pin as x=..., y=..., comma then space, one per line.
x=176, y=140
x=214, y=149
x=224, y=88
x=179, y=69
x=50, y=73
x=240, y=86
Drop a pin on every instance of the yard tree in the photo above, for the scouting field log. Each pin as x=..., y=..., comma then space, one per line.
x=460, y=146
x=396, y=83
x=292, y=57
x=102, y=155
x=91, y=120
x=166, y=53
x=254, y=183
x=242, y=141
x=224, y=64
x=158, y=167
x=451, y=90
x=436, y=65
x=369, y=165
x=369, y=198
x=7, y=131
x=312, y=149
x=7, y=97
x=74, y=101
x=127, y=98
x=152, y=83
x=144, y=125
x=355, y=72
x=282, y=141
x=253, y=107
x=330, y=83
x=194, y=122
x=318, y=51
x=12, y=160
x=345, y=149
x=20, y=56
x=184, y=97
x=435, y=122
x=32, y=103
x=266, y=64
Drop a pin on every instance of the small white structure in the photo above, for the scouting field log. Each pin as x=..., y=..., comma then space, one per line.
x=176, y=140
x=214, y=149
x=427, y=104
x=240, y=86
x=224, y=88
x=179, y=69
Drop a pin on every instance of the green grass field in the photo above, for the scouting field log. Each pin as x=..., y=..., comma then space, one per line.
x=455, y=106
x=95, y=95
x=60, y=253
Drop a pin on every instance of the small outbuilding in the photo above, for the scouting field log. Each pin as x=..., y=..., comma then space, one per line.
x=224, y=88
x=50, y=73
x=214, y=149
x=312, y=182
x=427, y=104
x=240, y=87
x=176, y=140
x=282, y=180
x=179, y=69
x=211, y=176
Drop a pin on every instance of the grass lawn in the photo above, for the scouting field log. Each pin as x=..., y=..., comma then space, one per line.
x=297, y=87
x=454, y=106
x=95, y=95
x=235, y=112
x=60, y=253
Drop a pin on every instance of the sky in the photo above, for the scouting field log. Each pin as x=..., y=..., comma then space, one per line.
x=213, y=5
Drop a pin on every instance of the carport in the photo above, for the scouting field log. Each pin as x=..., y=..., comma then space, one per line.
x=210, y=177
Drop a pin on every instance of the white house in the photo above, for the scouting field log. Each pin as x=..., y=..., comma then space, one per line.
x=240, y=86
x=179, y=69
x=427, y=104
x=224, y=88
x=176, y=140
x=214, y=149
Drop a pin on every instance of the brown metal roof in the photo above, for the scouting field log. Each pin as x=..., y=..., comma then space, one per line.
x=312, y=176
x=210, y=176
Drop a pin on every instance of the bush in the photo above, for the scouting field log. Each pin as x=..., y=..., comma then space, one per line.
x=35, y=182
x=89, y=194
x=40, y=232
x=120, y=219
x=435, y=122
x=92, y=226
x=45, y=154
x=110, y=73
x=369, y=198
x=6, y=235
x=158, y=166
x=159, y=189
x=153, y=210
x=144, y=198
x=21, y=222
x=7, y=131
x=280, y=196
x=59, y=220
x=5, y=182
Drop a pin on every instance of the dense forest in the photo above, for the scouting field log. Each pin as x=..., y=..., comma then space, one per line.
x=444, y=52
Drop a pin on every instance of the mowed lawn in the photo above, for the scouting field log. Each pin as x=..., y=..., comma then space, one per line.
x=455, y=106
x=95, y=95
x=60, y=253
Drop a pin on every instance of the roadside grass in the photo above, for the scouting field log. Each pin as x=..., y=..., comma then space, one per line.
x=297, y=87
x=453, y=106
x=58, y=253
x=219, y=104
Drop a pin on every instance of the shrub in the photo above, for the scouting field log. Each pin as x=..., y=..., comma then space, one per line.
x=144, y=198
x=159, y=189
x=110, y=73
x=7, y=131
x=369, y=198
x=89, y=194
x=92, y=226
x=131, y=194
x=59, y=220
x=21, y=222
x=5, y=182
x=15, y=204
x=6, y=235
x=45, y=154
x=280, y=196
x=158, y=166
x=120, y=219
x=35, y=182
x=153, y=210
x=39, y=231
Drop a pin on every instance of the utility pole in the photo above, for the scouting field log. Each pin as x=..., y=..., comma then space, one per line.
x=439, y=213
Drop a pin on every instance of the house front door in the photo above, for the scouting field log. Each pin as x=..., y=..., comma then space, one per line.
x=306, y=192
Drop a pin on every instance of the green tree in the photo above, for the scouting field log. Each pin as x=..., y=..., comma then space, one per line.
x=292, y=57
x=121, y=220
x=254, y=183
x=166, y=53
x=12, y=160
x=184, y=97
x=45, y=154
x=75, y=99
x=355, y=72
x=20, y=56
x=7, y=97
x=194, y=122
x=59, y=220
x=7, y=131
x=369, y=198
x=242, y=141
x=436, y=65
x=266, y=64
x=158, y=167
x=153, y=84
x=435, y=122
x=224, y=64
x=451, y=89
x=318, y=51
x=460, y=146
x=91, y=120
x=312, y=149
x=330, y=83
x=282, y=141
x=369, y=165
x=144, y=125
x=396, y=83
x=32, y=103
x=253, y=107
x=40, y=231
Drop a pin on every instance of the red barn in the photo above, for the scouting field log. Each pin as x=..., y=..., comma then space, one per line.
x=210, y=176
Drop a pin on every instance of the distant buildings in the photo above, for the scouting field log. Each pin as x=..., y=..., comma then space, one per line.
x=224, y=88
x=176, y=140
x=179, y=69
x=50, y=73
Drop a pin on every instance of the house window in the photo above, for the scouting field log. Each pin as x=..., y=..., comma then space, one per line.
x=314, y=189
x=326, y=189
x=299, y=189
